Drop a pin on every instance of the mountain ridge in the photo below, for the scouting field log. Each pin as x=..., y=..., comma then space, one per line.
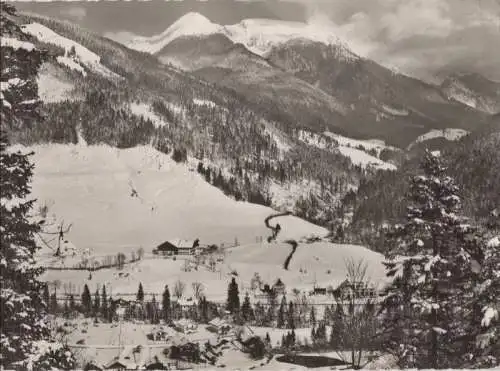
x=258, y=35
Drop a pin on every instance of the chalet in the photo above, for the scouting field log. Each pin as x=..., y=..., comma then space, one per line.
x=178, y=247
x=185, y=326
x=218, y=326
x=354, y=289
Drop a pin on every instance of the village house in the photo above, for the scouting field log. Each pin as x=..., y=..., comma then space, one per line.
x=218, y=326
x=357, y=290
x=178, y=247
x=185, y=326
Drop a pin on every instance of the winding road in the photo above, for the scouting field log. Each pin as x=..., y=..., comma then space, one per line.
x=275, y=231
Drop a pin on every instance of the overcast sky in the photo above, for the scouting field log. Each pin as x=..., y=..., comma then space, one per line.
x=424, y=38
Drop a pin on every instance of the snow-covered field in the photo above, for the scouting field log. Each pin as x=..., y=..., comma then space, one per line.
x=363, y=159
x=119, y=200
x=369, y=144
x=448, y=134
x=321, y=264
x=347, y=147
x=145, y=110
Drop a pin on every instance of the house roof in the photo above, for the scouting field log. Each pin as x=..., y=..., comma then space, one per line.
x=218, y=322
x=118, y=363
x=182, y=243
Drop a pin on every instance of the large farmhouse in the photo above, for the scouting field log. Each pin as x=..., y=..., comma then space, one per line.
x=178, y=247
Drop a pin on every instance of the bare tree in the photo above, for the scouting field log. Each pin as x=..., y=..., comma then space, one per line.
x=356, y=316
x=197, y=290
x=179, y=288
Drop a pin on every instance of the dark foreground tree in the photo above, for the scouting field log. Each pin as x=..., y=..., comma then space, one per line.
x=86, y=300
x=432, y=266
x=23, y=312
x=140, y=293
x=233, y=297
x=165, y=304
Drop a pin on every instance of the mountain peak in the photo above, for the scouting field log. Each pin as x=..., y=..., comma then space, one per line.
x=190, y=24
x=257, y=35
x=192, y=20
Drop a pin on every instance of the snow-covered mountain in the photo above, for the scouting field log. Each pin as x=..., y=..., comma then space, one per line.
x=305, y=75
x=258, y=35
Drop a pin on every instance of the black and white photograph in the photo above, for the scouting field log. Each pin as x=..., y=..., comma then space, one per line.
x=249, y=185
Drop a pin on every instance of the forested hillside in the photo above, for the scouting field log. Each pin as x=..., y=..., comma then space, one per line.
x=473, y=161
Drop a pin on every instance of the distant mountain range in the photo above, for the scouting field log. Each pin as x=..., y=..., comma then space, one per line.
x=312, y=80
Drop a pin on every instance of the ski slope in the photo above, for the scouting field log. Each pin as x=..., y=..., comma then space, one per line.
x=122, y=199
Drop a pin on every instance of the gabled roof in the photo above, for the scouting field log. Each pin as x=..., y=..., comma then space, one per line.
x=182, y=243
x=218, y=322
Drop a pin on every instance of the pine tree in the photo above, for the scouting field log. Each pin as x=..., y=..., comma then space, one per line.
x=86, y=300
x=154, y=311
x=246, y=309
x=46, y=295
x=233, y=297
x=23, y=311
x=431, y=288
x=104, y=303
x=112, y=309
x=483, y=330
x=291, y=315
x=140, y=293
x=312, y=317
x=165, y=304
x=54, y=308
x=97, y=303
x=281, y=313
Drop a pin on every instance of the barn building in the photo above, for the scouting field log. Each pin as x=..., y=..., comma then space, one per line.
x=178, y=247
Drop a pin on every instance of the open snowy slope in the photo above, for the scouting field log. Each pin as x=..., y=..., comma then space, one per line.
x=258, y=35
x=320, y=263
x=450, y=134
x=76, y=55
x=119, y=200
x=377, y=145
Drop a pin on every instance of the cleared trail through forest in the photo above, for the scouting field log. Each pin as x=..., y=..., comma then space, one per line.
x=276, y=229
